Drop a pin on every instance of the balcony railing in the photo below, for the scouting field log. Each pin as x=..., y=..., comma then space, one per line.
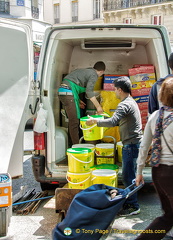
x=110, y=5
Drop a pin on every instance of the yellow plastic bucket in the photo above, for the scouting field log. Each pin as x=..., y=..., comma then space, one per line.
x=105, y=149
x=91, y=133
x=87, y=145
x=106, y=166
x=119, y=150
x=104, y=176
x=79, y=159
x=79, y=180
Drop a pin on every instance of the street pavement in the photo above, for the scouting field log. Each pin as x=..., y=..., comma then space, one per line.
x=39, y=225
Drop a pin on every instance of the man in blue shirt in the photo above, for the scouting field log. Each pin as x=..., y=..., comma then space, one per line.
x=153, y=102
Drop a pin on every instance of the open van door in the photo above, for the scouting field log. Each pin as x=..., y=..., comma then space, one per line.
x=16, y=63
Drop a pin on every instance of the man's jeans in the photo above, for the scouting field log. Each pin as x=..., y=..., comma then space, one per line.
x=129, y=157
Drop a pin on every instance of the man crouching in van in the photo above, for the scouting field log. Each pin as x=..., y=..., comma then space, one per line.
x=76, y=82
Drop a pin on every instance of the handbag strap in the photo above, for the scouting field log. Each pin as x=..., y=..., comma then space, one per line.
x=167, y=144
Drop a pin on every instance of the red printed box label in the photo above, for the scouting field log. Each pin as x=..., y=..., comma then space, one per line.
x=111, y=78
x=140, y=92
x=143, y=84
x=109, y=86
x=144, y=113
x=140, y=70
x=143, y=106
x=143, y=77
x=144, y=120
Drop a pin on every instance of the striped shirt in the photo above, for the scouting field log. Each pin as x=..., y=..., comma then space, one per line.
x=127, y=117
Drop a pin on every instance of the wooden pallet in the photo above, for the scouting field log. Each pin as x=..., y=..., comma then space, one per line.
x=63, y=198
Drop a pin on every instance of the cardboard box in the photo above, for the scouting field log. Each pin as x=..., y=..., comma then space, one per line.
x=144, y=113
x=109, y=86
x=140, y=70
x=143, y=84
x=143, y=125
x=143, y=77
x=99, y=83
x=143, y=106
x=144, y=120
x=140, y=92
x=109, y=101
x=141, y=65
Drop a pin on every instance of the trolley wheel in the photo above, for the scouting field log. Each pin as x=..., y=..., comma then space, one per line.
x=61, y=216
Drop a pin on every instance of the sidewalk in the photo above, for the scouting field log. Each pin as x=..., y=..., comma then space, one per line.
x=39, y=225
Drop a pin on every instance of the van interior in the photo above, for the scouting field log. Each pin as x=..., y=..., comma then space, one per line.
x=119, y=47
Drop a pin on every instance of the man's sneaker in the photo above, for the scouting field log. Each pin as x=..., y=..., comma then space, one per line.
x=129, y=210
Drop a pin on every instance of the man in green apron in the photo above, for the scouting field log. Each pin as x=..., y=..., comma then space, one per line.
x=76, y=82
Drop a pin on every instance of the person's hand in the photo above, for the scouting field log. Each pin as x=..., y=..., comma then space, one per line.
x=82, y=104
x=139, y=179
x=113, y=193
x=99, y=110
x=90, y=121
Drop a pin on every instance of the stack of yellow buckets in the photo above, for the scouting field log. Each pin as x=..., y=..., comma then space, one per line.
x=81, y=172
x=79, y=162
x=107, y=176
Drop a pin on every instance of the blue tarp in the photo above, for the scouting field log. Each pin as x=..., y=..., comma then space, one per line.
x=90, y=213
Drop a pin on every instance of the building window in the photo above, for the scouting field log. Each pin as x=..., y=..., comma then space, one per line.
x=35, y=9
x=4, y=6
x=125, y=3
x=156, y=20
x=96, y=9
x=105, y=5
x=74, y=11
x=127, y=20
x=56, y=13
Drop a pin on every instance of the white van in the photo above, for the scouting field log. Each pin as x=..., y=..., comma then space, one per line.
x=64, y=48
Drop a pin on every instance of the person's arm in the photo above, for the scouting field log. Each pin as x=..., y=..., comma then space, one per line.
x=139, y=179
x=97, y=105
x=143, y=151
x=82, y=104
x=92, y=78
x=113, y=121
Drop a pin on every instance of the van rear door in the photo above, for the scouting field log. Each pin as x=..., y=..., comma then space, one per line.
x=15, y=77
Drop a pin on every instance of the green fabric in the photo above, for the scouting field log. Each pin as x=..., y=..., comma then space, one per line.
x=76, y=89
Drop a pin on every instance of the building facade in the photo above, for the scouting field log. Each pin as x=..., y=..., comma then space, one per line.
x=74, y=11
x=158, y=12
x=22, y=8
x=29, y=11
x=40, y=14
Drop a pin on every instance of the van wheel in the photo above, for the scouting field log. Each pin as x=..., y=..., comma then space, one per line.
x=47, y=186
